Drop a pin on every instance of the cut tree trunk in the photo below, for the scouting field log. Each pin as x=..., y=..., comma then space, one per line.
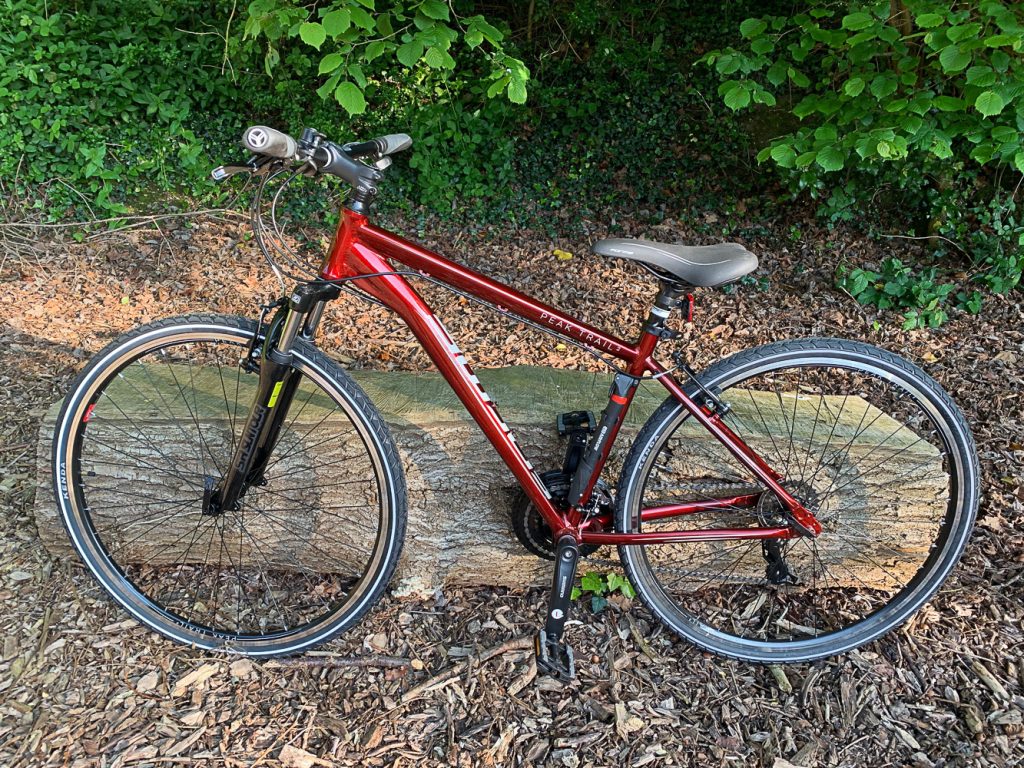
x=460, y=493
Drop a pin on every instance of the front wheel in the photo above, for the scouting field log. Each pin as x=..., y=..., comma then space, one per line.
x=147, y=433
x=865, y=440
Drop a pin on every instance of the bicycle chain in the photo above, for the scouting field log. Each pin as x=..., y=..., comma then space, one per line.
x=703, y=488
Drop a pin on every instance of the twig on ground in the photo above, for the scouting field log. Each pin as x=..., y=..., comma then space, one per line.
x=390, y=662
x=452, y=673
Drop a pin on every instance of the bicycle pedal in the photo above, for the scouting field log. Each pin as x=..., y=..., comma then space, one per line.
x=576, y=421
x=554, y=659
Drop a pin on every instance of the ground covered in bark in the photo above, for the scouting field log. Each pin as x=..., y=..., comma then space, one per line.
x=450, y=680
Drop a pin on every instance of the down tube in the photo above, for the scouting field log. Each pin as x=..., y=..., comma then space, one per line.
x=400, y=296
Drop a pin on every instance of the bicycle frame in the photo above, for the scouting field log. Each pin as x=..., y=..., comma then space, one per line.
x=361, y=248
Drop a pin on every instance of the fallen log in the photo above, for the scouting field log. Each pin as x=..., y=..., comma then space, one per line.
x=459, y=491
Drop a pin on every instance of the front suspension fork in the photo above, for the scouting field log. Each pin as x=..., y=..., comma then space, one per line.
x=278, y=382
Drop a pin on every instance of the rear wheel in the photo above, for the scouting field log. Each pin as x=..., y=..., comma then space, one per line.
x=148, y=430
x=865, y=440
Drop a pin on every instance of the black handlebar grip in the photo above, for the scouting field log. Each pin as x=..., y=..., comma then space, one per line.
x=267, y=141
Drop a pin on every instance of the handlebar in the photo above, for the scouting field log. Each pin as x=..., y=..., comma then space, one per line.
x=267, y=141
x=323, y=156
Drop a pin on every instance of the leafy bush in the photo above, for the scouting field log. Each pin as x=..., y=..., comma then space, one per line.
x=896, y=286
x=599, y=586
x=920, y=97
x=108, y=102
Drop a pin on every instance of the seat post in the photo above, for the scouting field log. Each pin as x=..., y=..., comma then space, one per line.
x=667, y=299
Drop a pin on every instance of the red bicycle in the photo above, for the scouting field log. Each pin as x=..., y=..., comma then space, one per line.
x=234, y=489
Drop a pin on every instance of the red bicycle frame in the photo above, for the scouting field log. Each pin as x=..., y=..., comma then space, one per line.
x=361, y=248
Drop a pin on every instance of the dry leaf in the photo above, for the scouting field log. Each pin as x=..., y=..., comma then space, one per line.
x=193, y=678
x=293, y=757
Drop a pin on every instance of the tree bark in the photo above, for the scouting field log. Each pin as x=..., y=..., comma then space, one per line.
x=460, y=493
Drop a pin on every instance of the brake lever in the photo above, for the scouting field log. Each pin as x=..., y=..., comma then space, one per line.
x=254, y=165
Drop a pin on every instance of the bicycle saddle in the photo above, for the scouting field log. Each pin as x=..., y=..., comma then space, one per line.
x=703, y=265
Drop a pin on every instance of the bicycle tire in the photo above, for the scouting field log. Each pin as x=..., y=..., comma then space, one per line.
x=729, y=620
x=127, y=443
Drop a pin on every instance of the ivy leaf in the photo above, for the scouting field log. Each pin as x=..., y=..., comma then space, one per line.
x=409, y=53
x=351, y=98
x=593, y=582
x=953, y=59
x=855, y=21
x=312, y=33
x=330, y=62
x=337, y=22
x=830, y=159
x=853, y=86
x=989, y=103
x=753, y=27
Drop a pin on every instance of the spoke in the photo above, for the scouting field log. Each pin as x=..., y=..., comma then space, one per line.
x=308, y=543
x=143, y=463
x=262, y=573
x=299, y=568
x=810, y=441
x=170, y=412
x=227, y=405
x=141, y=437
x=298, y=440
x=195, y=418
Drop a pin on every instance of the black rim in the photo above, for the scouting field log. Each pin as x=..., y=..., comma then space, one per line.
x=299, y=548
x=874, y=466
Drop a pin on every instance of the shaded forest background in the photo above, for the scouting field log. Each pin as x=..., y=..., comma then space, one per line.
x=900, y=118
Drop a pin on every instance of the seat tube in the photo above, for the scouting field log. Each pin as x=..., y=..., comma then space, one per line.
x=620, y=396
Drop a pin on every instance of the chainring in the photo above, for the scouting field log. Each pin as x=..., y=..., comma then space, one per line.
x=531, y=530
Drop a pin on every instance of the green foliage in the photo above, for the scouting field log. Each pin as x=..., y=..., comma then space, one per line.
x=599, y=586
x=361, y=44
x=96, y=99
x=897, y=286
x=875, y=89
x=917, y=100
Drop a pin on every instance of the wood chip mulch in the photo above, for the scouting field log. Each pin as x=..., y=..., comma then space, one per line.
x=450, y=681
